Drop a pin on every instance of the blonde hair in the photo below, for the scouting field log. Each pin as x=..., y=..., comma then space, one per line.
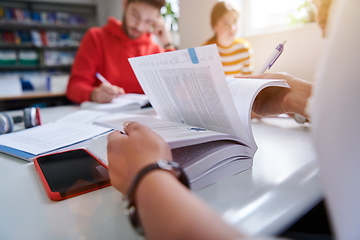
x=218, y=11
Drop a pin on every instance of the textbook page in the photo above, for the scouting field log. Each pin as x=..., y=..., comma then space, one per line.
x=82, y=117
x=244, y=92
x=189, y=87
x=175, y=134
x=98, y=147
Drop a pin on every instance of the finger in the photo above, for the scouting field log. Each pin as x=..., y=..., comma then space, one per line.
x=130, y=127
x=121, y=91
x=115, y=135
x=103, y=97
x=109, y=89
x=114, y=138
x=117, y=90
x=125, y=124
x=107, y=98
x=136, y=129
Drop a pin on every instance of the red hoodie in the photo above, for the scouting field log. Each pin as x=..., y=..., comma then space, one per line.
x=106, y=50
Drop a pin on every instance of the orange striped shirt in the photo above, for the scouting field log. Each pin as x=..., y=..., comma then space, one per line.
x=237, y=59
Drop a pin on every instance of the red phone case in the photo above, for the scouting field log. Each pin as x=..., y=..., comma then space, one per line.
x=55, y=196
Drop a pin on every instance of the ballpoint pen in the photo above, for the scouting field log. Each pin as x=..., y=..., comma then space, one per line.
x=268, y=64
x=101, y=78
x=273, y=57
x=120, y=91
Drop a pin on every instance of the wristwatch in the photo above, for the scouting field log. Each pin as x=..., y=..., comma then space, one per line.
x=128, y=199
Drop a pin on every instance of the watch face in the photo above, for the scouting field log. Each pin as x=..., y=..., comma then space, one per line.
x=168, y=165
x=163, y=164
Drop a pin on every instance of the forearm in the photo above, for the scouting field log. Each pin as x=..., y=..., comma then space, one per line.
x=168, y=210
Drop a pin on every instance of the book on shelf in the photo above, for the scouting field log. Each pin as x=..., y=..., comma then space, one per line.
x=42, y=17
x=126, y=102
x=204, y=117
x=36, y=38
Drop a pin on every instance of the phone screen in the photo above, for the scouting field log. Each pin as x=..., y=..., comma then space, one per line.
x=73, y=172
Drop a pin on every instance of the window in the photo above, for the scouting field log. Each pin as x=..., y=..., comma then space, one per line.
x=171, y=14
x=264, y=16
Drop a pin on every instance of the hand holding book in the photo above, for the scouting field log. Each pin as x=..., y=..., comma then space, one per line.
x=128, y=154
x=274, y=100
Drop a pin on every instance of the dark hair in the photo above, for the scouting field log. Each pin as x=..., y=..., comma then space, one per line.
x=155, y=3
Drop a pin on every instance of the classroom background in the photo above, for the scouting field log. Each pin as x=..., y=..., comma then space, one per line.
x=38, y=47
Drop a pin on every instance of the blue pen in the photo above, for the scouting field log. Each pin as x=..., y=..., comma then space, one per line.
x=101, y=78
x=273, y=57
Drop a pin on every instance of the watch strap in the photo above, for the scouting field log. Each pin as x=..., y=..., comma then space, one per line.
x=129, y=199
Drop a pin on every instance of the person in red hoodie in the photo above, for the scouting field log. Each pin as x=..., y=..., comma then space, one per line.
x=106, y=50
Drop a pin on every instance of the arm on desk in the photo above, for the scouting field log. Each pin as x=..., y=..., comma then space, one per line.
x=166, y=208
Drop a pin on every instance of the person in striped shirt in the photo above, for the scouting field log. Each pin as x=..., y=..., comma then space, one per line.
x=236, y=53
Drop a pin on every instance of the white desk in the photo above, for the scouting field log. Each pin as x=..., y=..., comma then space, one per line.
x=280, y=188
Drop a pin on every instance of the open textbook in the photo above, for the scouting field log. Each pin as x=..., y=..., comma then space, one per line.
x=130, y=101
x=204, y=117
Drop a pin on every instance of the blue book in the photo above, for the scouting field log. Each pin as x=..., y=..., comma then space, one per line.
x=36, y=17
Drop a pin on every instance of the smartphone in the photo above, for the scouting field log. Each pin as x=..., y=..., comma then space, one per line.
x=71, y=173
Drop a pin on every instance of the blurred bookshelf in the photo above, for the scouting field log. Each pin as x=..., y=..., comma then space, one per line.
x=38, y=42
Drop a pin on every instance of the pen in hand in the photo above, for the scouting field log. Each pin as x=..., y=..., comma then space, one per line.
x=101, y=78
x=273, y=57
x=104, y=80
x=107, y=89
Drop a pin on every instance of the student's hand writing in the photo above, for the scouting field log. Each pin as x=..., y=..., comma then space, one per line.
x=275, y=100
x=105, y=93
x=128, y=154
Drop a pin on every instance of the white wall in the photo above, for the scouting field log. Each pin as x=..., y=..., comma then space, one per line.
x=194, y=22
x=301, y=51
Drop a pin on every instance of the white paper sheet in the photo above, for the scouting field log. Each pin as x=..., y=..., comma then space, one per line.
x=50, y=136
x=189, y=86
x=130, y=101
x=82, y=117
